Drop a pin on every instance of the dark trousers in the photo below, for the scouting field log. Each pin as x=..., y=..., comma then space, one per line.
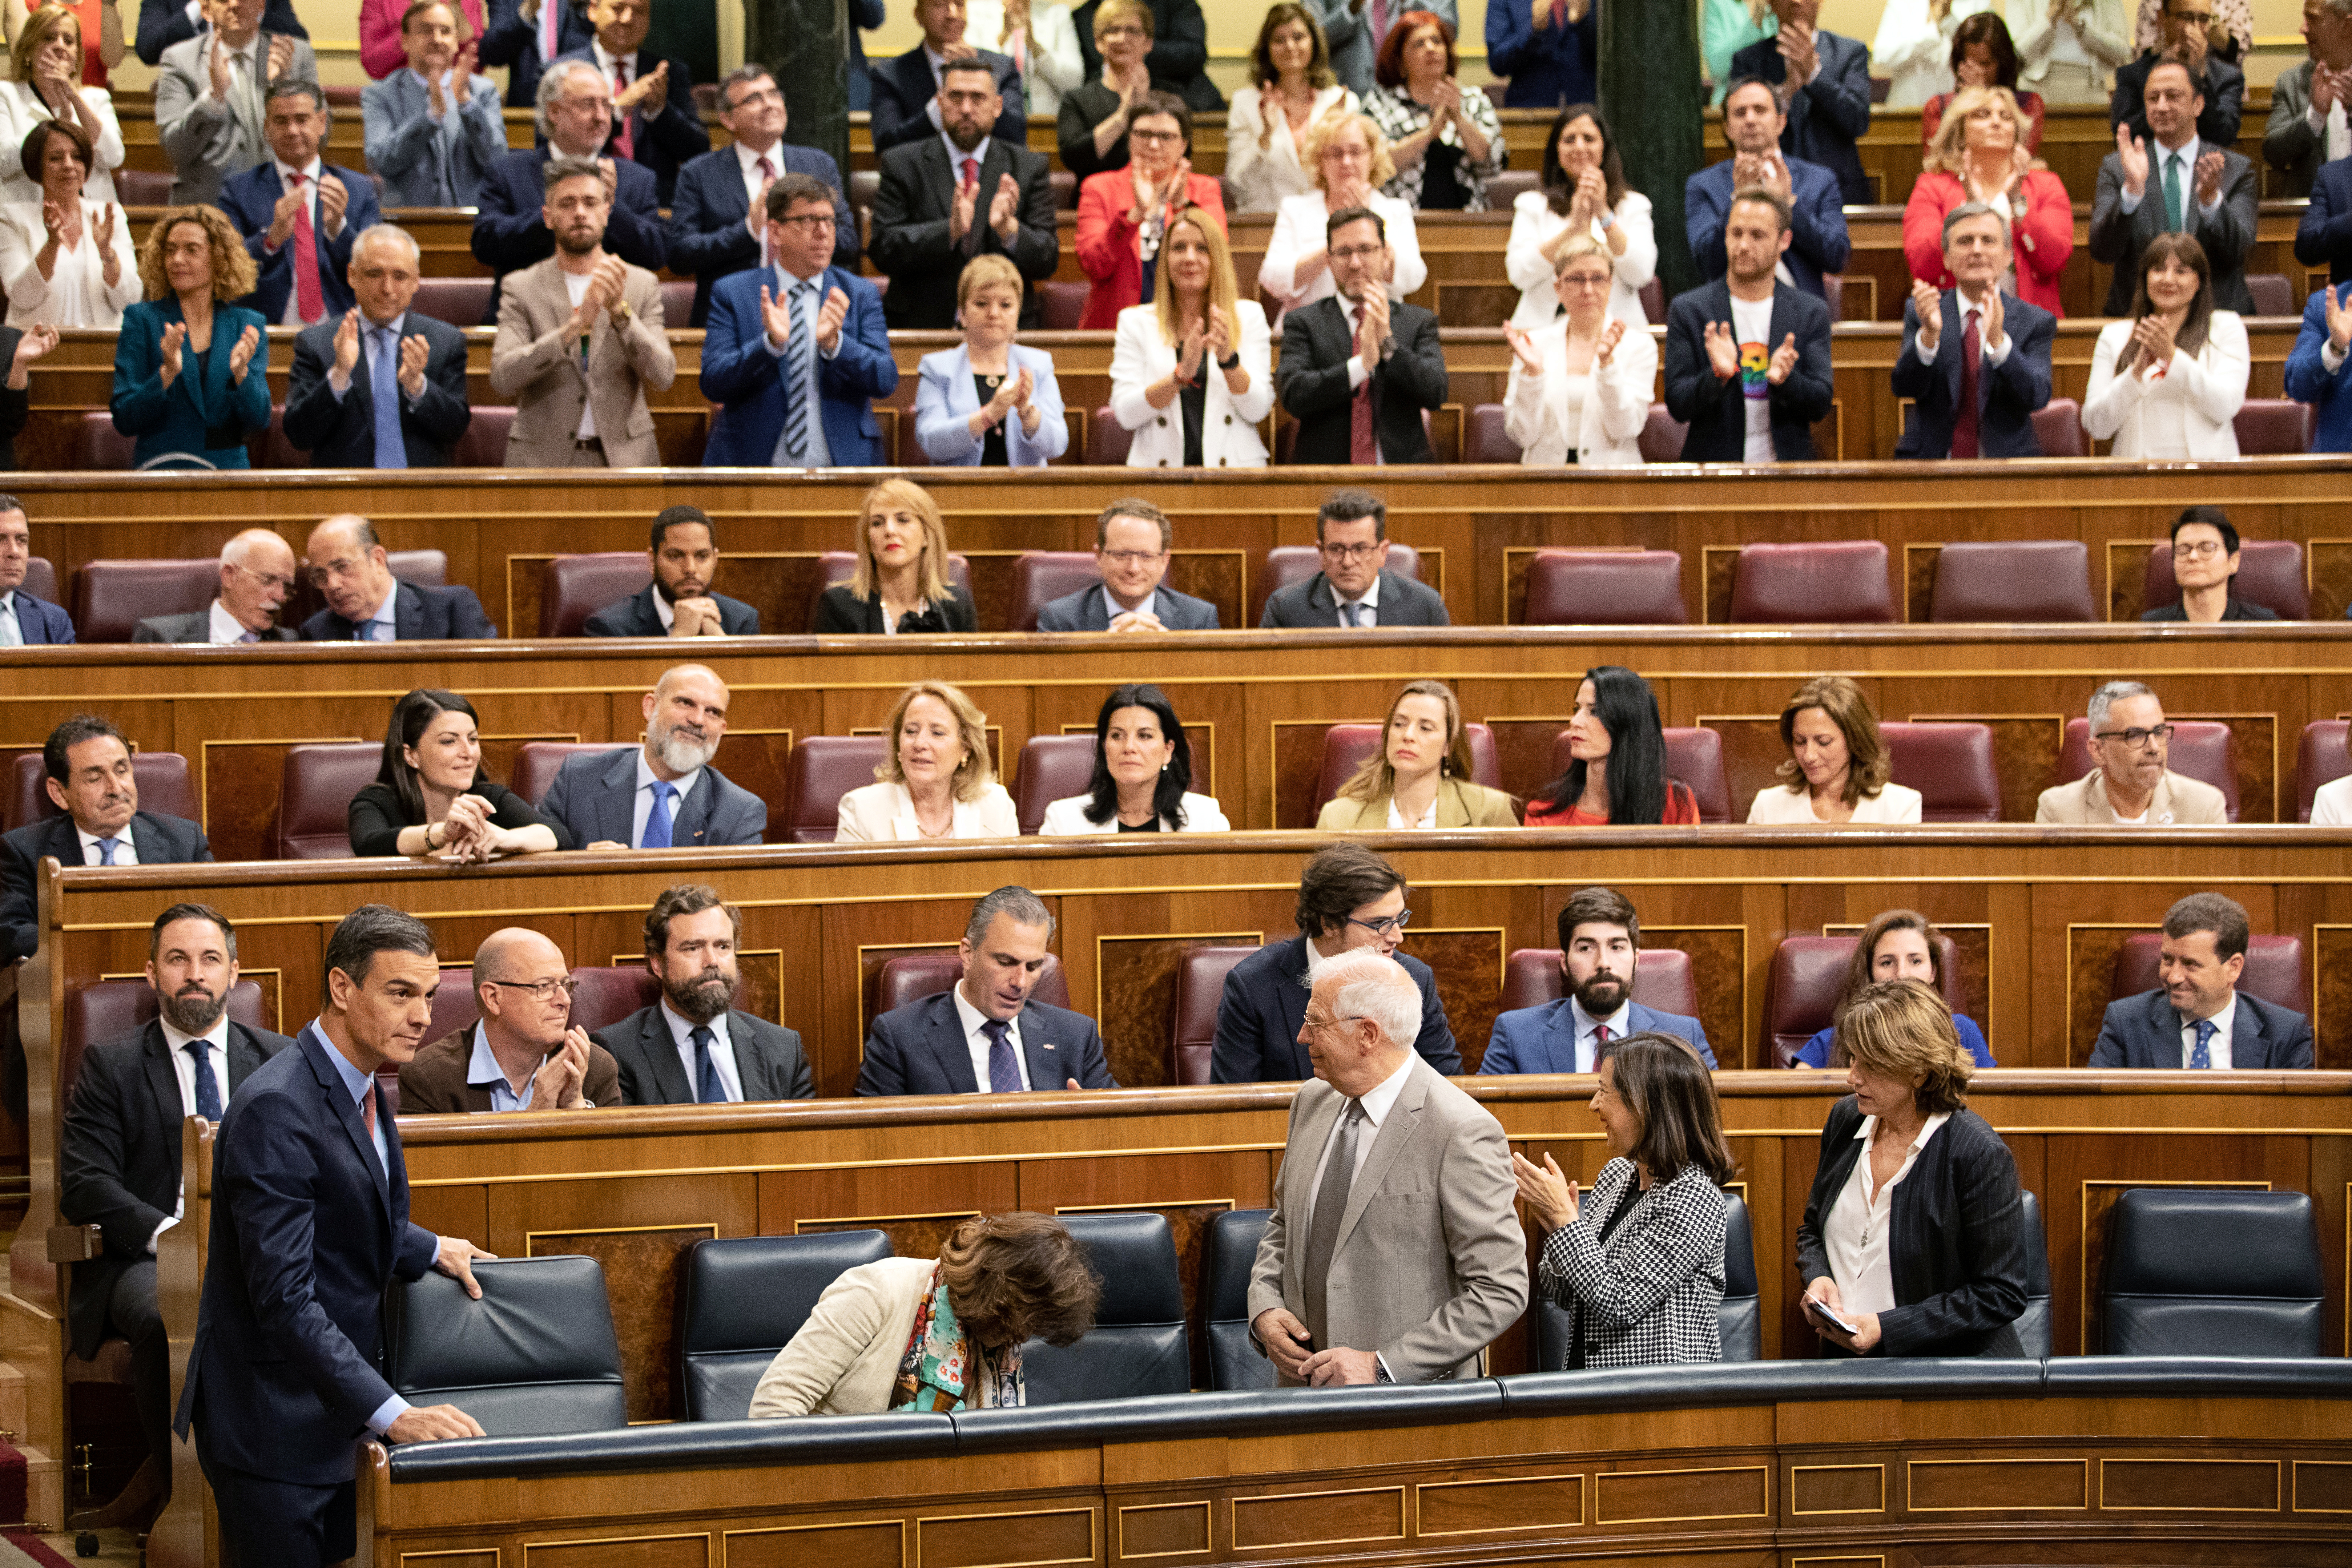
x=268, y=1524
x=131, y=1312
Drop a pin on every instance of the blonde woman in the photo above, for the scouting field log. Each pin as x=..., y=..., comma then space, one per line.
x=1092, y=123
x=47, y=57
x=1192, y=373
x=65, y=261
x=1350, y=160
x=103, y=43
x=1043, y=42
x=1579, y=385
x=1420, y=775
x=1838, y=768
x=901, y=584
x=2167, y=380
x=936, y=782
x=1979, y=154
x=991, y=404
x=1583, y=191
x=1291, y=88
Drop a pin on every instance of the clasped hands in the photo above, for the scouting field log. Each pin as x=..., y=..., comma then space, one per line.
x=1723, y=354
x=1014, y=396
x=240, y=355
x=606, y=287
x=1004, y=210
x=1287, y=1344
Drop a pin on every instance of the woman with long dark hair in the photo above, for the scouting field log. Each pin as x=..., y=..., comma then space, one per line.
x=2167, y=380
x=1143, y=775
x=1618, y=770
x=1984, y=54
x=1582, y=192
x=431, y=797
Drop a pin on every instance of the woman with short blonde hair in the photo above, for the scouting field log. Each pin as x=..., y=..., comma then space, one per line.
x=46, y=55
x=1348, y=157
x=992, y=402
x=900, y=586
x=1838, y=769
x=1420, y=776
x=934, y=780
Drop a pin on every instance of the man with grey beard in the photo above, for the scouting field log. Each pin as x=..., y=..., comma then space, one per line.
x=664, y=793
x=694, y=1046
x=119, y=1158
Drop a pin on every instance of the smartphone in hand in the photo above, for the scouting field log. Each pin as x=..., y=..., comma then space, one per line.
x=1827, y=1314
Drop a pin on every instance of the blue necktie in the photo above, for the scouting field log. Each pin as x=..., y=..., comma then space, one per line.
x=710, y=1088
x=657, y=819
x=2202, y=1054
x=208, y=1104
x=1003, y=1066
x=105, y=849
x=391, y=451
x=791, y=447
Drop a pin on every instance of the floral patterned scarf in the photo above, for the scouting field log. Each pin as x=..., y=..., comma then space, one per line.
x=942, y=1368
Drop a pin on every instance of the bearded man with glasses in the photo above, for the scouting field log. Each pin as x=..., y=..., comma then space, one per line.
x=525, y=1053
x=2130, y=786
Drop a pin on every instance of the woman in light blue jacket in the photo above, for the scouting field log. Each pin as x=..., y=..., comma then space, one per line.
x=991, y=404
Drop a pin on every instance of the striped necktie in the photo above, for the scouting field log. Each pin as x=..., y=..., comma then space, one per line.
x=792, y=448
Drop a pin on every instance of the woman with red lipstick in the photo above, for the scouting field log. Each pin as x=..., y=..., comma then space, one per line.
x=901, y=586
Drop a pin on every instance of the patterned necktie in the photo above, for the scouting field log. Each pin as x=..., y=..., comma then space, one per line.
x=1323, y=1225
x=710, y=1088
x=105, y=849
x=1964, y=418
x=308, y=299
x=1003, y=1066
x=658, y=820
x=625, y=141
x=208, y=1104
x=2201, y=1055
x=2172, y=212
x=791, y=447
x=384, y=372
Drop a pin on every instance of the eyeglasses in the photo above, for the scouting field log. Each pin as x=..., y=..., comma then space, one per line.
x=2197, y=549
x=1347, y=552
x=541, y=990
x=342, y=568
x=1312, y=1022
x=1585, y=280
x=810, y=221
x=267, y=579
x=1132, y=557
x=1155, y=136
x=1118, y=30
x=1354, y=252
x=1387, y=925
x=2138, y=740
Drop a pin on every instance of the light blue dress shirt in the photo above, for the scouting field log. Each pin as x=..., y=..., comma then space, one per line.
x=820, y=456
x=482, y=1071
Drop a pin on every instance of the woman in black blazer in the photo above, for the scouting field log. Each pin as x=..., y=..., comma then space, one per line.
x=1912, y=1241
x=430, y=798
x=901, y=586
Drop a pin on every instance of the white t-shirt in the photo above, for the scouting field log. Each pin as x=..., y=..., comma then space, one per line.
x=575, y=284
x=1751, y=323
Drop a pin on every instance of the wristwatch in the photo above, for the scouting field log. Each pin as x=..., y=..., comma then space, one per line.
x=1229, y=361
x=621, y=311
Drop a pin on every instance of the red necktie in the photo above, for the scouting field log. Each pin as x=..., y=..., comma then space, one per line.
x=1560, y=13
x=971, y=182
x=1363, y=441
x=309, y=302
x=767, y=173
x=971, y=173
x=625, y=141
x=1964, y=422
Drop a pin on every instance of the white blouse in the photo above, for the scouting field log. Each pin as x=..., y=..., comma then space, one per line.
x=885, y=811
x=2187, y=407
x=1854, y=1236
x=1066, y=818
x=1779, y=805
x=1917, y=51
x=1534, y=225
x=2331, y=804
x=21, y=109
x=1052, y=68
x=1594, y=420
x=74, y=293
x=1262, y=174
x=1300, y=228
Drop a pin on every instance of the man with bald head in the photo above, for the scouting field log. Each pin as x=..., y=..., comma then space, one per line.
x=662, y=794
x=525, y=1053
x=366, y=603
x=379, y=386
x=257, y=573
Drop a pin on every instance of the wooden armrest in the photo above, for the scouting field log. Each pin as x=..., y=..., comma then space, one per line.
x=76, y=1243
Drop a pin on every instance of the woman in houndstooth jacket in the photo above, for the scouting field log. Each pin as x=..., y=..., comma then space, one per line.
x=1640, y=1260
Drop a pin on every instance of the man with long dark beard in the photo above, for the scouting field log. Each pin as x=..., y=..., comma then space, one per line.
x=664, y=793
x=694, y=1046
x=1600, y=942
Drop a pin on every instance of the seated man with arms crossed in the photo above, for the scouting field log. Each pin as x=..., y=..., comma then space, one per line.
x=693, y=1046
x=2131, y=786
x=520, y=1055
x=1132, y=539
x=662, y=794
x=257, y=573
x=2200, y=1019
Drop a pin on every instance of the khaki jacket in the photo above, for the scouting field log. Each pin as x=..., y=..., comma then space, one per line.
x=1459, y=805
x=845, y=1360
x=533, y=362
x=2178, y=802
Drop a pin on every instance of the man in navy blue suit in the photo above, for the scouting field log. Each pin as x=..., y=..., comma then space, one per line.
x=662, y=794
x=309, y=1226
x=656, y=120
x=381, y=386
x=1348, y=897
x=2198, y=1018
x=1551, y=61
x=366, y=603
x=712, y=232
x=1600, y=942
x=298, y=214
x=1752, y=123
x=1823, y=80
x=2324, y=237
x=575, y=115
x=2315, y=372
x=906, y=89
x=796, y=353
x=24, y=621
x=1748, y=356
x=1975, y=360
x=986, y=1034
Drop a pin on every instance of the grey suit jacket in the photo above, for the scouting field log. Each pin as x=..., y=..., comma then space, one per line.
x=1430, y=1265
x=768, y=1061
x=426, y=163
x=196, y=625
x=1311, y=604
x=2144, y=1031
x=1088, y=610
x=595, y=793
x=2289, y=143
x=534, y=361
x=206, y=140
x=2118, y=237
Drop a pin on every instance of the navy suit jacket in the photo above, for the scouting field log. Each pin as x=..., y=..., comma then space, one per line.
x=340, y=433
x=739, y=373
x=509, y=40
x=1715, y=408
x=1829, y=114
x=43, y=624
x=2307, y=380
x=768, y=1061
x=1546, y=68
x=509, y=233
x=2144, y=1031
x=904, y=87
x=163, y=23
x=1088, y=610
x=1264, y=1004
x=1818, y=241
x=309, y=1229
x=249, y=199
x=666, y=141
x=920, y=1049
x=2324, y=237
x=710, y=208
x=1543, y=1039
x=2007, y=394
x=595, y=797
x=635, y=616
x=419, y=614
x=160, y=841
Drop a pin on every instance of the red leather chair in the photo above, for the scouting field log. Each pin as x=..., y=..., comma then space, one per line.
x=837, y=568
x=1065, y=185
x=41, y=580
x=2274, y=969
x=1833, y=292
x=1107, y=441
x=2273, y=426
x=1661, y=980
x=577, y=586
x=1042, y=576
x=484, y=444
x=270, y=449
x=314, y=798
x=2319, y=759
x=2201, y=749
x=2273, y=294
x=1345, y=747
x=144, y=187
x=1808, y=973
x=1951, y=766
x=1693, y=756
x=1287, y=565
x=1839, y=582
x=1061, y=305
x=1200, y=986
x=608, y=996
x=461, y=303
x=1661, y=436
x=2269, y=573
x=105, y=1008
x=1483, y=438
x=1052, y=768
x=1653, y=303
x=2058, y=426
x=2015, y=580
x=1605, y=588
x=537, y=762
x=111, y=597
x=818, y=771
x=911, y=976
x=455, y=1005
x=161, y=778
x=678, y=302
x=99, y=448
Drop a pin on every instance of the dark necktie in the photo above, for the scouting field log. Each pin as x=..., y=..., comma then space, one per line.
x=367, y=1111
x=1323, y=1226
x=970, y=184
x=791, y=447
x=208, y=1104
x=2172, y=208
x=2202, y=1055
x=1964, y=418
x=1363, y=439
x=710, y=1088
x=1004, y=1066
x=1600, y=1041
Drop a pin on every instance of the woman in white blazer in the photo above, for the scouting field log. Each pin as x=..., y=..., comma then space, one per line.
x=1838, y=766
x=1579, y=385
x=991, y=404
x=935, y=781
x=1192, y=373
x=91, y=275
x=1350, y=157
x=1915, y=45
x=1291, y=89
x=1043, y=42
x=47, y=57
x=1582, y=192
x=1143, y=775
x=2167, y=380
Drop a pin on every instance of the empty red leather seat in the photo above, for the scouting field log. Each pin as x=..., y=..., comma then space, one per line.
x=537, y=762
x=314, y=798
x=1951, y=766
x=2269, y=573
x=1661, y=436
x=144, y=187
x=1484, y=439
x=2319, y=759
x=911, y=976
x=1107, y=441
x=1809, y=973
x=99, y=448
x=2014, y=580
x=269, y=447
x=1653, y=303
x=1661, y=980
x=461, y=303
x=2273, y=294
x=1345, y=747
x=1693, y=756
x=111, y=597
x=2274, y=970
x=1833, y=290
x=1605, y=588
x=1842, y=582
x=818, y=771
x=455, y=1005
x=1042, y=576
x=576, y=587
x=2201, y=749
x=1287, y=564
x=2274, y=427
x=484, y=444
x=1200, y=985
x=103, y=1009
x=1061, y=305
x=1052, y=768
x=607, y=996
x=2058, y=426
x=41, y=580
x=161, y=778
x=678, y=302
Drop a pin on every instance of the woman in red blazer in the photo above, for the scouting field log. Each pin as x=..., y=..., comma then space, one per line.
x=1123, y=211
x=1978, y=155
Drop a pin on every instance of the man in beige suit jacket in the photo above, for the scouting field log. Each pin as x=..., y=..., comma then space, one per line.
x=2131, y=786
x=574, y=409
x=1406, y=1271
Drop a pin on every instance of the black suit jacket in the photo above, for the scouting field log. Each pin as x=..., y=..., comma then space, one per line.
x=708, y=213
x=1829, y=114
x=635, y=616
x=1088, y=610
x=768, y=1061
x=905, y=86
x=15, y=407
x=419, y=614
x=1265, y=1004
x=2118, y=237
x=2238, y=610
x=911, y=210
x=1313, y=382
x=118, y=1154
x=594, y=797
x=1956, y=1244
x=2007, y=394
x=1312, y=604
x=841, y=613
x=160, y=841
x=2144, y=1031
x=2323, y=238
x=197, y=626
x=920, y=1049
x=1715, y=407
x=663, y=142
x=340, y=433
x=2224, y=90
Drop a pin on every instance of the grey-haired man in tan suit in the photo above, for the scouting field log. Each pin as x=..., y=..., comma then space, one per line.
x=2131, y=786
x=1394, y=1254
x=580, y=338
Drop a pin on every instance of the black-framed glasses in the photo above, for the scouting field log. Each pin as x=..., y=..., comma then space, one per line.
x=1387, y=925
x=1345, y=553
x=811, y=221
x=2138, y=740
x=541, y=990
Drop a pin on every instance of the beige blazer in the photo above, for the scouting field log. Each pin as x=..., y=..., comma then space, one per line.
x=2178, y=801
x=845, y=1361
x=1459, y=805
x=1430, y=1265
x=533, y=362
x=882, y=811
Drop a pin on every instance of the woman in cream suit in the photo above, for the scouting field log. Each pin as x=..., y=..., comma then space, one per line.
x=2070, y=48
x=1143, y=775
x=1192, y=373
x=936, y=782
x=1292, y=89
x=1583, y=193
x=1348, y=157
x=1838, y=766
x=1042, y=41
x=46, y=58
x=1579, y=385
x=1420, y=775
x=991, y=404
x=2167, y=380
x=65, y=261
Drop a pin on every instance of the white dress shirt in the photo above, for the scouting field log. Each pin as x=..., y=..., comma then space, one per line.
x=755, y=184
x=641, y=804
x=2334, y=132
x=184, y=1071
x=2218, y=1049
x=1588, y=1040
x=225, y=628
x=575, y=285
x=125, y=852
x=972, y=1018
x=12, y=631
x=385, y=615
x=1377, y=1101
x=610, y=64
x=722, y=1051
x=1397, y=823
x=1855, y=1236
